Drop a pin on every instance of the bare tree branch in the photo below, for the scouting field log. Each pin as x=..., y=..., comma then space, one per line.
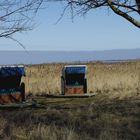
x=128, y=9
x=123, y=14
x=16, y=15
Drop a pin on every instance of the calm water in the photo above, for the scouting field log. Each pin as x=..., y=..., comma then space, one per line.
x=36, y=57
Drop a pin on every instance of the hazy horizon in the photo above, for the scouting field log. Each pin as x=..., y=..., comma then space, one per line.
x=38, y=57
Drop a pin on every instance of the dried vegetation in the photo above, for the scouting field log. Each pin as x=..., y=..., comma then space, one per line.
x=113, y=114
x=115, y=79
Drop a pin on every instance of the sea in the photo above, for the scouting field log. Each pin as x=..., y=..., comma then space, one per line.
x=40, y=57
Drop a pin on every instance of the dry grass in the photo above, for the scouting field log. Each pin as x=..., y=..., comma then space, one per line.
x=118, y=79
x=73, y=119
x=113, y=114
x=43, y=79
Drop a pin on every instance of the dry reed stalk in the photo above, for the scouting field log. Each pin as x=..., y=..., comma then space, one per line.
x=113, y=78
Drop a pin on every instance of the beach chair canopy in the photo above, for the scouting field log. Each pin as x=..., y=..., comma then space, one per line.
x=7, y=71
x=75, y=69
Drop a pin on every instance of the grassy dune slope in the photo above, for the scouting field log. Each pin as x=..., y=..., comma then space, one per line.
x=113, y=114
x=117, y=80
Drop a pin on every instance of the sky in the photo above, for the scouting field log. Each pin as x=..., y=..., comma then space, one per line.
x=97, y=30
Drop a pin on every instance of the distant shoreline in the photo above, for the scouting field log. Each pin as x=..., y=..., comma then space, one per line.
x=86, y=62
x=41, y=57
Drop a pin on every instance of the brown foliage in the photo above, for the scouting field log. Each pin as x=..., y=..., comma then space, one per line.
x=115, y=79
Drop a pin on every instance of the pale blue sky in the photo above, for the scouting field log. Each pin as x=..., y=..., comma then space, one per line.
x=98, y=30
